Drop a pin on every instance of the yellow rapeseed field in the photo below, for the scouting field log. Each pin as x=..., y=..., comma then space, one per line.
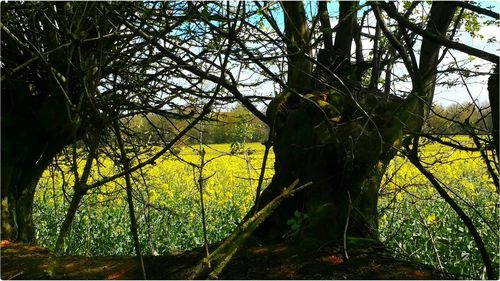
x=167, y=201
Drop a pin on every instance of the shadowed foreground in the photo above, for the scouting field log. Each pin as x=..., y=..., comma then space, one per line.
x=280, y=261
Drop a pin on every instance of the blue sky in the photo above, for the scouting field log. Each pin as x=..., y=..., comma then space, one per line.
x=445, y=96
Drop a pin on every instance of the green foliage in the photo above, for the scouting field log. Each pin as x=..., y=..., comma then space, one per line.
x=236, y=125
x=471, y=24
x=296, y=224
x=244, y=132
x=406, y=4
x=361, y=242
x=450, y=119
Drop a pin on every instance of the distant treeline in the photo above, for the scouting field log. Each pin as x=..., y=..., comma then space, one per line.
x=239, y=125
x=234, y=126
x=459, y=119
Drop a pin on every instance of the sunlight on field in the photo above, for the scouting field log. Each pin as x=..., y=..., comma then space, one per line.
x=413, y=220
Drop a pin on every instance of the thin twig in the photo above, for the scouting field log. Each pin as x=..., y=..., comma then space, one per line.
x=433, y=240
x=347, y=224
x=201, y=181
x=15, y=275
x=133, y=222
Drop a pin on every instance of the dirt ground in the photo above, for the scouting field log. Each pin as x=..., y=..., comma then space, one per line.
x=278, y=261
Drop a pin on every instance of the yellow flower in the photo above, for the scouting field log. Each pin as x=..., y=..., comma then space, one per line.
x=468, y=185
x=399, y=197
x=431, y=219
x=154, y=196
x=384, y=217
x=485, y=177
x=170, y=194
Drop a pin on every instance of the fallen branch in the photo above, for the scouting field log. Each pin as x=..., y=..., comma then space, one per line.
x=221, y=256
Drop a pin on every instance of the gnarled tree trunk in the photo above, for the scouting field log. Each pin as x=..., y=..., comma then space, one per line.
x=345, y=157
x=341, y=136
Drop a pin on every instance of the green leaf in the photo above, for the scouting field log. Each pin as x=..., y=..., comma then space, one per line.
x=205, y=14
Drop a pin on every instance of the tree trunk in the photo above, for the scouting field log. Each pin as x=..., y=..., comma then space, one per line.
x=299, y=67
x=342, y=140
x=44, y=102
x=323, y=137
x=33, y=132
x=20, y=175
x=343, y=156
x=344, y=37
x=17, y=220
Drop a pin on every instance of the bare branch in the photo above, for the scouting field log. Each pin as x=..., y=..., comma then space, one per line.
x=437, y=37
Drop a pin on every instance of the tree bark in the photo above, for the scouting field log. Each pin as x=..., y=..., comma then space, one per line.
x=344, y=38
x=299, y=67
x=342, y=141
x=336, y=58
x=441, y=15
x=342, y=159
x=345, y=32
x=326, y=28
